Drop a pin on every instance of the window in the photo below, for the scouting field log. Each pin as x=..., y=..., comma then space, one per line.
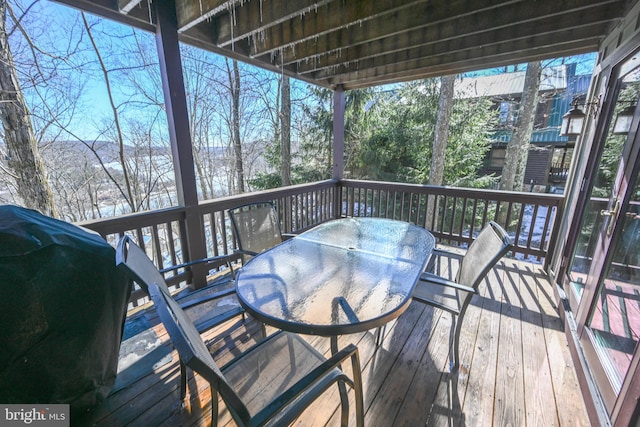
x=497, y=157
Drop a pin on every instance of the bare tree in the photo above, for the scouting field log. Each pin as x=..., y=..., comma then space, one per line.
x=441, y=134
x=518, y=148
x=202, y=117
x=24, y=157
x=440, y=137
x=127, y=191
x=234, y=85
x=285, y=119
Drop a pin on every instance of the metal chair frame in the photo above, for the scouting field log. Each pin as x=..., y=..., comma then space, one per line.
x=193, y=353
x=491, y=244
x=256, y=227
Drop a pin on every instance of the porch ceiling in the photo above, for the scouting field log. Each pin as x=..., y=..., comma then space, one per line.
x=365, y=43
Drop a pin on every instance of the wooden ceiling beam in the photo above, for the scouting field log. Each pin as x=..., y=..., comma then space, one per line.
x=253, y=19
x=414, y=25
x=410, y=42
x=290, y=22
x=344, y=23
x=361, y=43
x=191, y=13
x=384, y=27
x=137, y=17
x=194, y=39
x=506, y=53
x=447, y=69
x=127, y=6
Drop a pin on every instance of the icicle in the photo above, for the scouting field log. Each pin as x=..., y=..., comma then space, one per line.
x=281, y=64
x=233, y=46
x=261, y=11
x=232, y=17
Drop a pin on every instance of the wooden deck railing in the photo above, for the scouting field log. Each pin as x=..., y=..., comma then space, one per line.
x=454, y=215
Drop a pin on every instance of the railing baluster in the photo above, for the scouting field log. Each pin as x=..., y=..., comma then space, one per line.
x=214, y=230
x=485, y=213
x=463, y=220
x=523, y=207
x=473, y=218
x=454, y=211
x=443, y=210
x=386, y=204
x=309, y=209
x=222, y=217
x=532, y=225
x=303, y=206
x=141, y=242
x=411, y=217
x=497, y=214
x=507, y=221
x=155, y=246
x=547, y=226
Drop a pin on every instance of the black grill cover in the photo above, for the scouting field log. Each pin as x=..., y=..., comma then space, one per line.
x=62, y=310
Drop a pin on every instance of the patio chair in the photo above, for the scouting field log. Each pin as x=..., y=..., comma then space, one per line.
x=454, y=296
x=272, y=382
x=206, y=308
x=256, y=227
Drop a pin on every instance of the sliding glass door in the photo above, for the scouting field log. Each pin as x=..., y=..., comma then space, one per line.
x=604, y=272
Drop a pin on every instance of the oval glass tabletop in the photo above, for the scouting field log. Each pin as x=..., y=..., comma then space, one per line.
x=343, y=276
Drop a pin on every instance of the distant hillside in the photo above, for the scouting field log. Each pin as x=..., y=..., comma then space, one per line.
x=108, y=151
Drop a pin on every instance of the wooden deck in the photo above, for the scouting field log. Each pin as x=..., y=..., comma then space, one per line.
x=516, y=368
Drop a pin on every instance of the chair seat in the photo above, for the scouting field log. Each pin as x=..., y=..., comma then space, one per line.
x=272, y=366
x=209, y=307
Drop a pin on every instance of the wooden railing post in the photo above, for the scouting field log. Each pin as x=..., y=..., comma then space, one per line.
x=338, y=147
x=179, y=135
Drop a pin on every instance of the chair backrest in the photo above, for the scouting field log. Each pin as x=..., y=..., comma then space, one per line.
x=184, y=335
x=492, y=243
x=256, y=227
x=137, y=264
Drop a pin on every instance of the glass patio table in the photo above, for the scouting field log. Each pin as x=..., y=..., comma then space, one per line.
x=344, y=276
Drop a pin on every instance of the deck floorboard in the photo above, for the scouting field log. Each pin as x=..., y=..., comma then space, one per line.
x=515, y=367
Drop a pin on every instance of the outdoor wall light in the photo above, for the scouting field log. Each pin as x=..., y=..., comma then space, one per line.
x=573, y=120
x=624, y=119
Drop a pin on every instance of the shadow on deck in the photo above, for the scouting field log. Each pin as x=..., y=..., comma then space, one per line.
x=515, y=365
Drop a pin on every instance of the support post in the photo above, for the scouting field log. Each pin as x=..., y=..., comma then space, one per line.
x=338, y=146
x=179, y=134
